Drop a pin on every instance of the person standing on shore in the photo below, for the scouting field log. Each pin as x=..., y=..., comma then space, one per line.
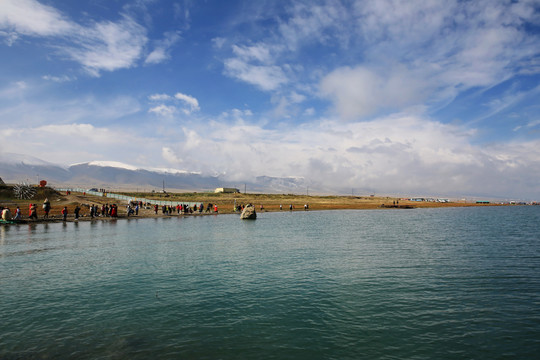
x=17, y=214
x=6, y=214
x=64, y=213
x=76, y=212
x=46, y=208
x=33, y=211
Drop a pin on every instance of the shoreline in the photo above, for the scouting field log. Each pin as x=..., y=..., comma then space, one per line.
x=123, y=215
x=225, y=203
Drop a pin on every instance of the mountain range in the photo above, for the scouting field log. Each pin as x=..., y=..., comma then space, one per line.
x=109, y=175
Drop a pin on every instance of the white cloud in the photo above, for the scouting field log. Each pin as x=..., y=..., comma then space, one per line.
x=58, y=79
x=159, y=97
x=361, y=91
x=296, y=97
x=162, y=48
x=70, y=143
x=158, y=55
x=266, y=77
x=218, y=42
x=236, y=115
x=254, y=64
x=192, y=103
x=530, y=124
x=393, y=48
x=10, y=37
x=399, y=154
x=322, y=22
x=186, y=103
x=163, y=110
x=309, y=112
x=99, y=46
x=30, y=104
x=451, y=45
x=109, y=46
x=257, y=52
x=169, y=156
x=29, y=17
x=14, y=89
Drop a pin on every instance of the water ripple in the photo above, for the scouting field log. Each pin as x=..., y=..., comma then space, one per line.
x=445, y=284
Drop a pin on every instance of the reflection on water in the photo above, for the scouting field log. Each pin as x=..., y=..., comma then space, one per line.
x=3, y=235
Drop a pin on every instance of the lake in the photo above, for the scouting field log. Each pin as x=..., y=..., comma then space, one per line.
x=448, y=283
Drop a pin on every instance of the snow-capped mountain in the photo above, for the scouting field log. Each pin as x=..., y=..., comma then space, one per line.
x=15, y=168
x=107, y=175
x=18, y=168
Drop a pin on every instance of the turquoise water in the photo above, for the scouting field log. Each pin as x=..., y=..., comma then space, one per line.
x=377, y=284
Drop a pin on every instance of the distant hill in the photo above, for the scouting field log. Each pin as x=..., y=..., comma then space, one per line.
x=101, y=175
x=15, y=168
x=18, y=168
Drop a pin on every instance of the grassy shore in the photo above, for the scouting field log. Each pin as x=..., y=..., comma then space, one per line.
x=272, y=202
x=225, y=202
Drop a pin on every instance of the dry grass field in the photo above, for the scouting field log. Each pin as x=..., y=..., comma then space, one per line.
x=225, y=202
x=272, y=202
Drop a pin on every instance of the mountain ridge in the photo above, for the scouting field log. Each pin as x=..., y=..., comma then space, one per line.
x=15, y=168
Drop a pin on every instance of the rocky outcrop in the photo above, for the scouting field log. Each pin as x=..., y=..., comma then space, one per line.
x=248, y=213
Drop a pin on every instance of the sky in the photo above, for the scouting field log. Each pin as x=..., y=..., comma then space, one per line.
x=427, y=97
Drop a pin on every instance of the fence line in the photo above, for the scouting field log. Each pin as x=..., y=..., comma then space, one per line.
x=128, y=198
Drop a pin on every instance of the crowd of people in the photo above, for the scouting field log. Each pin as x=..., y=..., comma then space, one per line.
x=105, y=210
x=184, y=208
x=111, y=210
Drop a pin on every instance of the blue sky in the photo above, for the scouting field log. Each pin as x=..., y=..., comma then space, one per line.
x=386, y=96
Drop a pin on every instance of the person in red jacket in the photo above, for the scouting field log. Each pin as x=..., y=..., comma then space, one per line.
x=33, y=212
x=114, y=211
x=64, y=213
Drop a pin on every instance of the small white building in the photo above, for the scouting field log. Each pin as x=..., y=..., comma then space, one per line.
x=226, y=190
